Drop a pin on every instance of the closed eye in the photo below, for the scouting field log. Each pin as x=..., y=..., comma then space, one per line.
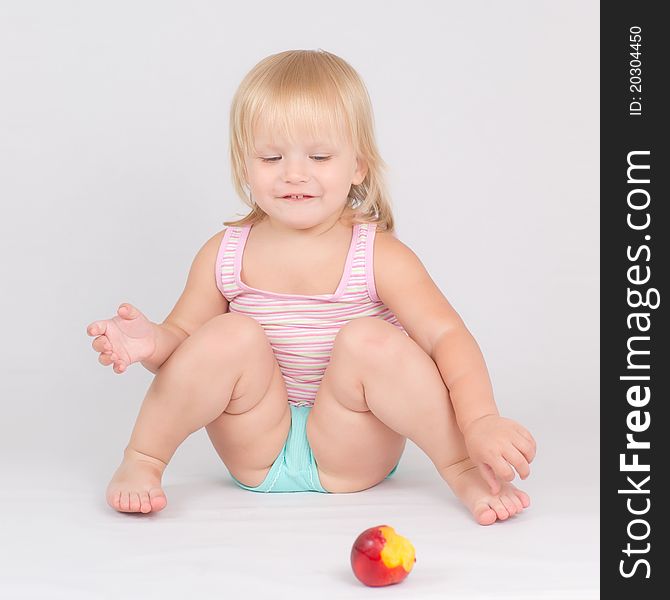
x=276, y=158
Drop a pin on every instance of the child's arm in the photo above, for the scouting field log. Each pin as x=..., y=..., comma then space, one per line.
x=403, y=284
x=463, y=369
x=200, y=301
x=130, y=337
x=168, y=337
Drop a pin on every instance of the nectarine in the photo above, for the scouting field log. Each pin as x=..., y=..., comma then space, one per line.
x=380, y=556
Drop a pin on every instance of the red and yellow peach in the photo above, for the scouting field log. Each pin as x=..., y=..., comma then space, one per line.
x=380, y=556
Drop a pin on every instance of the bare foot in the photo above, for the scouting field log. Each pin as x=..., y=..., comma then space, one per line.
x=136, y=485
x=469, y=486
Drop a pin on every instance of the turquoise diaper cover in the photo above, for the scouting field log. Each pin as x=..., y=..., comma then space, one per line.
x=294, y=470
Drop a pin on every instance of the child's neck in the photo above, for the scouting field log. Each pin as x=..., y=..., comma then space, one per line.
x=280, y=231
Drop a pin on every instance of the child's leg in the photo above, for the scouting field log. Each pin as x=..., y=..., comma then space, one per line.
x=224, y=377
x=379, y=388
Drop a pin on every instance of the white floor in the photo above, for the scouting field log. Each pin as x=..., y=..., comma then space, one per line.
x=60, y=540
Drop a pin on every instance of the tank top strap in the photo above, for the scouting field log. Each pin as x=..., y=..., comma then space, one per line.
x=369, y=263
x=226, y=259
x=361, y=287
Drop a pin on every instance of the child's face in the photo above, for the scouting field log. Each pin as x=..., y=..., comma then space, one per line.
x=317, y=167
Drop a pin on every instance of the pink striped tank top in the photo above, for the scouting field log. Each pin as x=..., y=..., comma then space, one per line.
x=301, y=329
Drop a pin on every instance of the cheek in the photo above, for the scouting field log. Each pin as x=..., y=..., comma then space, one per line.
x=258, y=176
x=339, y=179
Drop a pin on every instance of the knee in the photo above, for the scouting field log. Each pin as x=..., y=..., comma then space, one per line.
x=228, y=334
x=371, y=339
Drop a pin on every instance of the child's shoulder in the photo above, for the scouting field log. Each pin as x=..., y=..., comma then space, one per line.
x=389, y=248
x=217, y=238
x=394, y=261
x=210, y=249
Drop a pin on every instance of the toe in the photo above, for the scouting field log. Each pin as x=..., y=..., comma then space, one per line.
x=509, y=505
x=158, y=499
x=124, y=503
x=484, y=514
x=499, y=507
x=517, y=502
x=134, y=502
x=145, y=502
x=114, y=499
x=523, y=497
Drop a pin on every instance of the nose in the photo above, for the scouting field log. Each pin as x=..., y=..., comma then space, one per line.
x=295, y=171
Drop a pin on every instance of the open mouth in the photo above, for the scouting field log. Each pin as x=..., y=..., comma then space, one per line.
x=297, y=197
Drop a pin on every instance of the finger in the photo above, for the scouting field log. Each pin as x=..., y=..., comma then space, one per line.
x=526, y=434
x=108, y=358
x=501, y=468
x=105, y=360
x=101, y=344
x=489, y=477
x=97, y=328
x=127, y=311
x=526, y=447
x=517, y=460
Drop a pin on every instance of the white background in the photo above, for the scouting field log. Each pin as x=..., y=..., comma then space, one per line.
x=114, y=171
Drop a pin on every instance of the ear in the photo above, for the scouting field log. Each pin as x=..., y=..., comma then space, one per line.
x=361, y=171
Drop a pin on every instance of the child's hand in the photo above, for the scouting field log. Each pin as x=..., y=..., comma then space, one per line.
x=125, y=339
x=494, y=443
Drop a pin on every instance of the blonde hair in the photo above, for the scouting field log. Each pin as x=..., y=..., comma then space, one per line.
x=309, y=88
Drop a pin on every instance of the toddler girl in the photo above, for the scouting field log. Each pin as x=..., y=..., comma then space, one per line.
x=309, y=341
